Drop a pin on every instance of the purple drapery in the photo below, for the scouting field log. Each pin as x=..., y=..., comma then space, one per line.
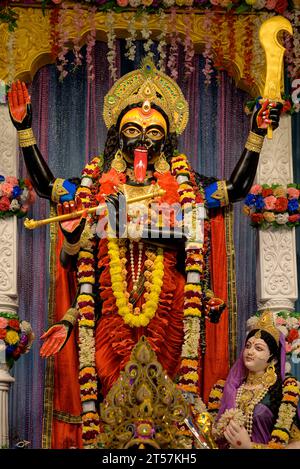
x=70, y=129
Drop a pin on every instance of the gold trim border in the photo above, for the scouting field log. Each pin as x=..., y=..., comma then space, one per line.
x=231, y=284
x=49, y=375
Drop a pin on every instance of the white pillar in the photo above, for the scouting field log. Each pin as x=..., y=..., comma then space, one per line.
x=8, y=257
x=276, y=280
x=5, y=380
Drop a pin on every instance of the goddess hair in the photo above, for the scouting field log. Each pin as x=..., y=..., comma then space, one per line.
x=275, y=391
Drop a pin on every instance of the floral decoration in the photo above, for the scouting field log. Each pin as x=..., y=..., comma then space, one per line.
x=235, y=415
x=288, y=322
x=86, y=308
x=17, y=336
x=289, y=107
x=287, y=411
x=16, y=196
x=273, y=205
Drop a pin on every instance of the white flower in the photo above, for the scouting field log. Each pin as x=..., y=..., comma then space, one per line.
x=284, y=330
x=292, y=323
x=25, y=326
x=282, y=218
x=24, y=195
x=168, y=3
x=14, y=205
x=251, y=323
x=288, y=368
x=134, y=3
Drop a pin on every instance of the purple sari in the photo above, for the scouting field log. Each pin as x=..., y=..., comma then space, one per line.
x=263, y=419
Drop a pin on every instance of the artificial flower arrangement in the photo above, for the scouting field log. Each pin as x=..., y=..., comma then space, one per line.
x=289, y=324
x=16, y=196
x=10, y=16
x=288, y=106
x=273, y=205
x=15, y=335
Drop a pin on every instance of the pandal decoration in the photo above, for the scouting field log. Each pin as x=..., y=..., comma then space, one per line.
x=144, y=408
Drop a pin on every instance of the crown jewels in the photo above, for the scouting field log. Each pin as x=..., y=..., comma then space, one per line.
x=266, y=323
x=148, y=86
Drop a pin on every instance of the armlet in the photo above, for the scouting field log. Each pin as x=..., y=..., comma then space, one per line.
x=216, y=194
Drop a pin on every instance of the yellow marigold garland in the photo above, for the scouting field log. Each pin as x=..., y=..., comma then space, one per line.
x=287, y=412
x=86, y=317
x=136, y=317
x=189, y=376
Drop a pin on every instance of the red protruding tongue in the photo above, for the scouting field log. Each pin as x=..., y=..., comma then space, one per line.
x=140, y=163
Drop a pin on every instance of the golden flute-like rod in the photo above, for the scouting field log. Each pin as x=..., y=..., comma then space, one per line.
x=32, y=224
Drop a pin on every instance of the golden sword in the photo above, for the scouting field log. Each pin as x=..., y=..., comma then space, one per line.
x=268, y=37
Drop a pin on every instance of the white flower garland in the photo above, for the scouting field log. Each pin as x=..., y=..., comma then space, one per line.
x=111, y=43
x=162, y=42
x=129, y=44
x=146, y=34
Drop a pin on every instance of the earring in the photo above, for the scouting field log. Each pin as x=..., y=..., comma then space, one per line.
x=118, y=162
x=161, y=165
x=269, y=377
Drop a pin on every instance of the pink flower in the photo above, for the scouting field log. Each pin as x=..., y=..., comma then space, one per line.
x=270, y=202
x=3, y=323
x=12, y=180
x=288, y=347
x=280, y=321
x=293, y=193
x=256, y=189
x=122, y=3
x=6, y=189
x=270, y=4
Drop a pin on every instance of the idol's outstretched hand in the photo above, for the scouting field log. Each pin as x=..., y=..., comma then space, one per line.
x=20, y=106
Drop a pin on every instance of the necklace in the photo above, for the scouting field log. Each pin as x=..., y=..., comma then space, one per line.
x=246, y=400
x=254, y=379
x=135, y=278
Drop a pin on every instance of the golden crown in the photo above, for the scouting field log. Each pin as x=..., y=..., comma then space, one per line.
x=147, y=84
x=266, y=323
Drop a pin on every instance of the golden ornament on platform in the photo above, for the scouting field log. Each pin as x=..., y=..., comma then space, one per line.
x=144, y=408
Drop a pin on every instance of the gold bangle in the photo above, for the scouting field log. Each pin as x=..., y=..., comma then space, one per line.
x=70, y=248
x=71, y=316
x=254, y=142
x=26, y=138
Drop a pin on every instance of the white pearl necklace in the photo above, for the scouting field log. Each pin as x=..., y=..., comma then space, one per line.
x=135, y=278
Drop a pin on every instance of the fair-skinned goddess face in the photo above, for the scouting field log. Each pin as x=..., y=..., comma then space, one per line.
x=256, y=355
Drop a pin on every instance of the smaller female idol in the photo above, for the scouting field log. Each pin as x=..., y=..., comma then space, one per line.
x=257, y=404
